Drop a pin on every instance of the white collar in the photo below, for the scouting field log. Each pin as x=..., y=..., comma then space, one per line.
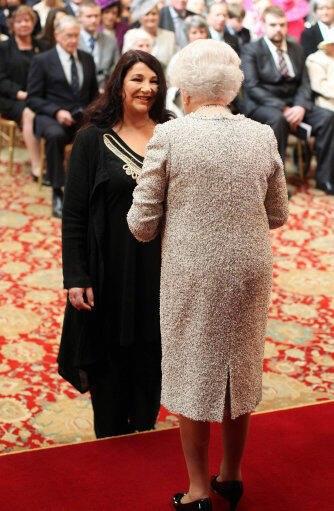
x=64, y=54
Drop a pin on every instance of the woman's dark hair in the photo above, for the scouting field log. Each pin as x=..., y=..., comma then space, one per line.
x=48, y=33
x=107, y=110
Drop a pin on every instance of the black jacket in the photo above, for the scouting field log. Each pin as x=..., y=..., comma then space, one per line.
x=83, y=225
x=14, y=68
x=48, y=89
x=263, y=84
x=310, y=39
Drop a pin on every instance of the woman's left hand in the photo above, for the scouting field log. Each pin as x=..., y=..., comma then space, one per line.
x=81, y=298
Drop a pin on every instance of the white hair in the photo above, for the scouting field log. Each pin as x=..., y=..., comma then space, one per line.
x=65, y=22
x=134, y=36
x=207, y=70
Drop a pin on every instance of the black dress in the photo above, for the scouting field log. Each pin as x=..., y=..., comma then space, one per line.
x=122, y=355
x=14, y=69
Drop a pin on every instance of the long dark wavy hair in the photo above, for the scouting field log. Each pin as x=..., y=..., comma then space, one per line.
x=107, y=110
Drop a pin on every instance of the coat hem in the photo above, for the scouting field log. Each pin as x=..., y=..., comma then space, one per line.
x=213, y=418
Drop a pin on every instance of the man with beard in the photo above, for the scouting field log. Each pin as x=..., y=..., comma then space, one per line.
x=277, y=92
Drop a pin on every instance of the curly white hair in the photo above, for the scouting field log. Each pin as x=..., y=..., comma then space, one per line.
x=207, y=70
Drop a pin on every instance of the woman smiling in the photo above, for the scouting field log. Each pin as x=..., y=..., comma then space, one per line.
x=111, y=335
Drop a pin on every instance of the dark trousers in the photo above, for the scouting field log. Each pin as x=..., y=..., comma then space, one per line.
x=322, y=122
x=56, y=137
x=126, y=397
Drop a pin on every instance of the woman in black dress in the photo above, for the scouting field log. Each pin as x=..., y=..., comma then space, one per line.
x=111, y=334
x=15, y=58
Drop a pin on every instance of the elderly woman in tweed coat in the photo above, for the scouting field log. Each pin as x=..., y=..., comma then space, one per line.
x=213, y=185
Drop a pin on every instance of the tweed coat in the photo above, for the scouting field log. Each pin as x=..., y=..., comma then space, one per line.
x=214, y=187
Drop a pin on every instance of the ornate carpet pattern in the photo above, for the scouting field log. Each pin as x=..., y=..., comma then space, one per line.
x=37, y=408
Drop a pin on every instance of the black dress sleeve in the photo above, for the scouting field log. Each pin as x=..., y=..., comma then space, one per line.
x=76, y=219
x=8, y=87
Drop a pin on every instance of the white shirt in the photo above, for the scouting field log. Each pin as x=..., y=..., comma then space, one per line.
x=216, y=36
x=42, y=10
x=326, y=31
x=284, y=48
x=65, y=60
x=96, y=52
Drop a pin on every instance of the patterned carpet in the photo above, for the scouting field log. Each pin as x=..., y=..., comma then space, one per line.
x=37, y=408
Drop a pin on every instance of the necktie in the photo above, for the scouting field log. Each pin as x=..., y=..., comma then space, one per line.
x=74, y=77
x=92, y=43
x=282, y=66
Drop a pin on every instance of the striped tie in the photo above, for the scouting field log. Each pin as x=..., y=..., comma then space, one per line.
x=282, y=66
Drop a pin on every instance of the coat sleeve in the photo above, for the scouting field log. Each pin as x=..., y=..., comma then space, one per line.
x=144, y=217
x=76, y=214
x=8, y=87
x=37, y=82
x=276, y=201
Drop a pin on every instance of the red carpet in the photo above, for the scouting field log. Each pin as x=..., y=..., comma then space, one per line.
x=289, y=466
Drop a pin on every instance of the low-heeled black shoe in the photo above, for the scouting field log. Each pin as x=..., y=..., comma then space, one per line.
x=57, y=203
x=196, y=505
x=326, y=187
x=230, y=490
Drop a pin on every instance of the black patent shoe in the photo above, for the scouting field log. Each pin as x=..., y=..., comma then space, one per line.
x=230, y=490
x=196, y=505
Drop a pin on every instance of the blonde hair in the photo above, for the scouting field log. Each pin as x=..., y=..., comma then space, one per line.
x=207, y=70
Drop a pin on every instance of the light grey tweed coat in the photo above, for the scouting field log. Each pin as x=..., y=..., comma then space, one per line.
x=213, y=187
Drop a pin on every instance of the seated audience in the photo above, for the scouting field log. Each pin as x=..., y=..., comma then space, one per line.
x=217, y=25
x=234, y=23
x=47, y=36
x=111, y=20
x=138, y=39
x=44, y=7
x=172, y=18
x=147, y=13
x=102, y=47
x=61, y=83
x=277, y=92
x=15, y=59
x=322, y=29
x=320, y=66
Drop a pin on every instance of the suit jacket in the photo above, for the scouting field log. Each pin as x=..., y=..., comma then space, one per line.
x=48, y=89
x=166, y=20
x=264, y=85
x=243, y=35
x=108, y=55
x=310, y=39
x=229, y=38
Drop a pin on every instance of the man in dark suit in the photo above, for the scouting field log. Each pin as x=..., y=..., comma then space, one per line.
x=217, y=17
x=322, y=29
x=61, y=83
x=277, y=92
x=172, y=18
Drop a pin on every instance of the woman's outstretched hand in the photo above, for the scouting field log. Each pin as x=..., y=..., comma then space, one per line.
x=81, y=298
